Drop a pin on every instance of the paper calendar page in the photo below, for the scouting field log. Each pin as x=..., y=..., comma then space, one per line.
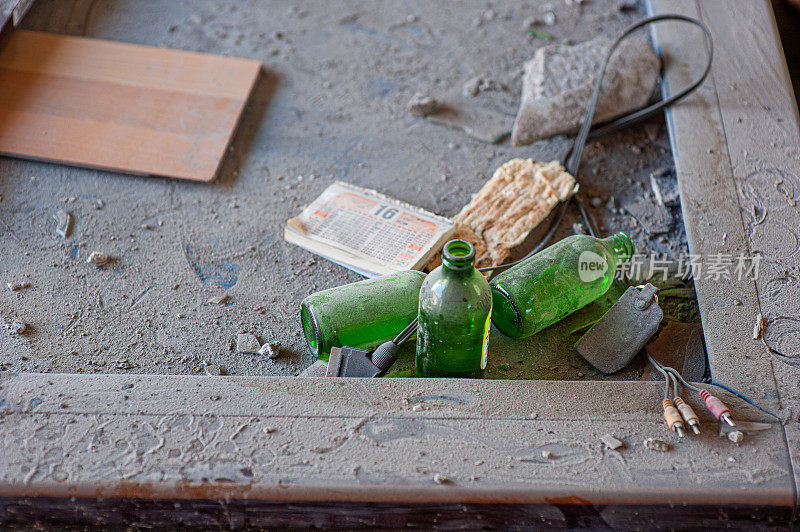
x=367, y=231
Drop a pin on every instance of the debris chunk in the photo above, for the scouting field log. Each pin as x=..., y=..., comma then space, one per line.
x=421, y=105
x=611, y=442
x=63, y=223
x=758, y=328
x=247, y=343
x=219, y=300
x=657, y=445
x=97, y=257
x=17, y=327
x=270, y=349
x=559, y=80
x=665, y=190
x=16, y=286
x=318, y=369
x=478, y=84
x=548, y=455
x=736, y=436
x=441, y=479
x=212, y=370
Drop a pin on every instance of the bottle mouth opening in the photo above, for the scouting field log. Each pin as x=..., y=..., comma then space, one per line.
x=627, y=244
x=311, y=330
x=458, y=254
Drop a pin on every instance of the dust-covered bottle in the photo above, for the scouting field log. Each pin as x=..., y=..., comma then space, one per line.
x=363, y=314
x=455, y=308
x=556, y=282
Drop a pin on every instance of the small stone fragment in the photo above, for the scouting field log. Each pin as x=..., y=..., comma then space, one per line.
x=421, y=105
x=16, y=286
x=665, y=190
x=736, y=436
x=63, y=223
x=219, y=300
x=247, y=343
x=657, y=445
x=417, y=408
x=97, y=257
x=548, y=455
x=549, y=18
x=212, y=370
x=17, y=327
x=611, y=442
x=270, y=349
x=441, y=479
x=318, y=369
x=758, y=328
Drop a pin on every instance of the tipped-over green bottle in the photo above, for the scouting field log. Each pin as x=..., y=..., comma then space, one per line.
x=455, y=306
x=556, y=282
x=363, y=314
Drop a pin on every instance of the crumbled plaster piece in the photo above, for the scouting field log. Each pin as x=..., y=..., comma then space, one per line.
x=219, y=300
x=657, y=445
x=478, y=84
x=318, y=369
x=758, y=328
x=97, y=257
x=270, y=349
x=440, y=479
x=611, y=442
x=17, y=327
x=548, y=455
x=16, y=286
x=63, y=223
x=665, y=190
x=559, y=80
x=421, y=105
x=212, y=370
x=247, y=343
x=549, y=18
x=417, y=408
x=736, y=436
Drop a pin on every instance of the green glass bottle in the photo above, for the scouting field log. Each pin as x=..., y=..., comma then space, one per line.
x=363, y=314
x=455, y=307
x=556, y=282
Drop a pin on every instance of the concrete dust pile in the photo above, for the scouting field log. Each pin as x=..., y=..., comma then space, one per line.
x=558, y=83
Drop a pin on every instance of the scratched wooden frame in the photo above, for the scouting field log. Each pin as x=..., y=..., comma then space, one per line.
x=275, y=451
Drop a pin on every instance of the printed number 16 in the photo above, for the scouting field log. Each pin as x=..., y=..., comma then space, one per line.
x=385, y=213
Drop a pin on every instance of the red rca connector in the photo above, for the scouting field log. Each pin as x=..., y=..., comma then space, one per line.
x=717, y=407
x=688, y=414
x=673, y=417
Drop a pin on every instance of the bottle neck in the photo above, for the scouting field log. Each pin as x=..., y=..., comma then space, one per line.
x=458, y=256
x=620, y=245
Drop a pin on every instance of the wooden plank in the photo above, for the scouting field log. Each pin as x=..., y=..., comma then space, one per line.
x=318, y=446
x=117, y=106
x=737, y=152
x=711, y=206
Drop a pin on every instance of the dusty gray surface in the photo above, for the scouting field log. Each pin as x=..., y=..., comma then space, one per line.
x=331, y=104
x=295, y=435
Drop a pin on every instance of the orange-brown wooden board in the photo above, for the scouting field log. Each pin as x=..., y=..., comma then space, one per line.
x=117, y=106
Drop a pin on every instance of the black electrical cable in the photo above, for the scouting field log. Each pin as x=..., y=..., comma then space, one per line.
x=572, y=157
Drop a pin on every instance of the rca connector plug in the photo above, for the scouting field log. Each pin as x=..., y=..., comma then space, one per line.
x=688, y=414
x=717, y=407
x=673, y=417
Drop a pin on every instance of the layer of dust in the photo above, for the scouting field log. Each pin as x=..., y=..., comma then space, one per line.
x=330, y=105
